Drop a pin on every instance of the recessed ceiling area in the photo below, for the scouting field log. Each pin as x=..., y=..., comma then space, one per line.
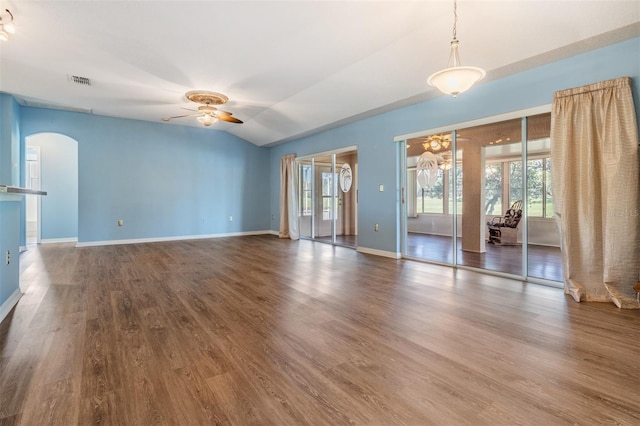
x=289, y=68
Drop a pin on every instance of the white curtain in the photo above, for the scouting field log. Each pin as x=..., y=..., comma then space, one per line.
x=594, y=154
x=412, y=190
x=289, y=197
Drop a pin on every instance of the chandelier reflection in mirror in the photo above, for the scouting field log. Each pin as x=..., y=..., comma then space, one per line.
x=436, y=143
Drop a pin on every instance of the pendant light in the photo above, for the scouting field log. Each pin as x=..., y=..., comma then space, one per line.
x=455, y=79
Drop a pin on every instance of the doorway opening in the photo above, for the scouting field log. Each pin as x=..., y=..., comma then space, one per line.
x=51, y=164
x=32, y=202
x=328, y=197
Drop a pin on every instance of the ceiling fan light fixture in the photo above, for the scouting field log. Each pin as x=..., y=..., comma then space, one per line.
x=455, y=79
x=435, y=143
x=207, y=120
x=207, y=114
x=6, y=25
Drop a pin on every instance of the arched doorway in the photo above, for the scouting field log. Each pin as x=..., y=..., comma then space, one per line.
x=51, y=164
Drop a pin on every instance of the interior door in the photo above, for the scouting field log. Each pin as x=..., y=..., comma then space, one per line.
x=327, y=199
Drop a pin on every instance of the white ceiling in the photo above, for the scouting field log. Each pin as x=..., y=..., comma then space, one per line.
x=290, y=68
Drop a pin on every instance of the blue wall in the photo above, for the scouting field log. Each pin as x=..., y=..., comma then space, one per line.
x=9, y=141
x=9, y=210
x=161, y=180
x=378, y=154
x=9, y=241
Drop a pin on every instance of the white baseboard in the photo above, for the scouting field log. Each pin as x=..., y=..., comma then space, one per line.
x=9, y=304
x=23, y=249
x=377, y=252
x=58, y=240
x=163, y=239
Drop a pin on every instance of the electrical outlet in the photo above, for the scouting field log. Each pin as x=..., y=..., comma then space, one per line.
x=120, y=222
x=230, y=218
x=376, y=227
x=8, y=258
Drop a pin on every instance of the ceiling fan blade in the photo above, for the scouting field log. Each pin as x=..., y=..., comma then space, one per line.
x=178, y=116
x=228, y=118
x=189, y=109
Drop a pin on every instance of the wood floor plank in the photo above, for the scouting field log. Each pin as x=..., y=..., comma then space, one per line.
x=258, y=330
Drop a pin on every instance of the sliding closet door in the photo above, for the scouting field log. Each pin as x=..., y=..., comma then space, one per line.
x=492, y=185
x=305, y=192
x=325, y=198
x=328, y=197
x=428, y=198
x=544, y=259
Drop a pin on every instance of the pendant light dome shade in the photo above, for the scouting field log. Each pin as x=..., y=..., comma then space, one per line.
x=455, y=79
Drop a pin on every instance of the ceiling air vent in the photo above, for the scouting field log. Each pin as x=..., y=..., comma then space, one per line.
x=80, y=80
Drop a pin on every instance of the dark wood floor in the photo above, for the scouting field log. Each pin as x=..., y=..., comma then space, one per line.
x=542, y=261
x=258, y=330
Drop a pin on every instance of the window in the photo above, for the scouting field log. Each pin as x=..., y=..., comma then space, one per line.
x=305, y=192
x=458, y=189
x=548, y=203
x=515, y=182
x=535, y=187
x=430, y=200
x=493, y=189
x=329, y=189
x=540, y=201
x=503, y=178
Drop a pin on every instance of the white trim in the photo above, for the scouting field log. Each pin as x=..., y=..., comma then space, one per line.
x=376, y=252
x=333, y=151
x=272, y=232
x=58, y=240
x=8, y=305
x=542, y=109
x=177, y=238
x=23, y=249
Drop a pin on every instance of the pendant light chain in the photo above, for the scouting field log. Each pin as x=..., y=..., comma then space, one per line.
x=455, y=18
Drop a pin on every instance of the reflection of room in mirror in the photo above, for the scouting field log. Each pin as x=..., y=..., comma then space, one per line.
x=489, y=177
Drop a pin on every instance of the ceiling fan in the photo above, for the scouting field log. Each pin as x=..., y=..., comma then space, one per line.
x=435, y=143
x=206, y=113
